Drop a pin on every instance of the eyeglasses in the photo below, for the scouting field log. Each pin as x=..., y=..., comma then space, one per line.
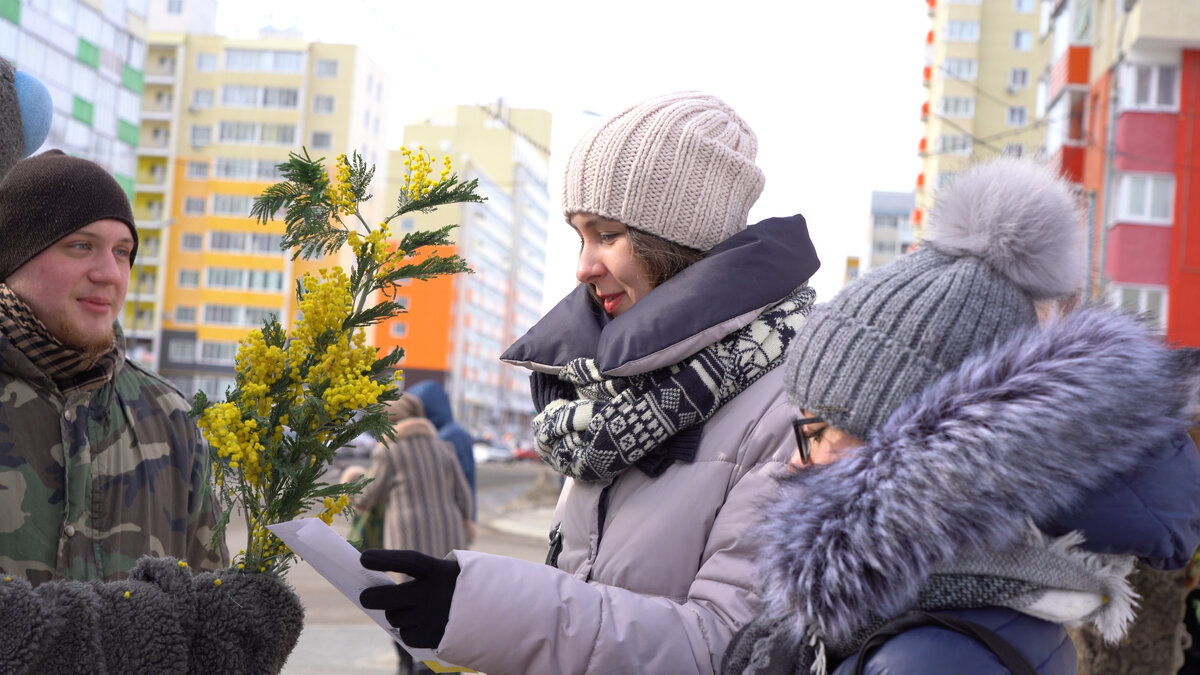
x=802, y=440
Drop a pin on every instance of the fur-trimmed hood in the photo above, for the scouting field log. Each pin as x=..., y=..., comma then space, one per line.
x=1043, y=427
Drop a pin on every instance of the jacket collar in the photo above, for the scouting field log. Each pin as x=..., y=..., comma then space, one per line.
x=710, y=299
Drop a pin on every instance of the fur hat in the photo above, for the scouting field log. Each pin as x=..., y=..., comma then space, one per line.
x=679, y=166
x=25, y=114
x=48, y=196
x=1002, y=235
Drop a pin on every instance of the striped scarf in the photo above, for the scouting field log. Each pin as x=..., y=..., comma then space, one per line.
x=70, y=369
x=618, y=422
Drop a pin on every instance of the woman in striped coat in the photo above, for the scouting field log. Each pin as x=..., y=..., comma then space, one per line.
x=418, y=477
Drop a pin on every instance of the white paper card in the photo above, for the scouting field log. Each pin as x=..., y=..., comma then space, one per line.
x=335, y=559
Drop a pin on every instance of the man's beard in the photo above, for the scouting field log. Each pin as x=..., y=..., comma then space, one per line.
x=92, y=346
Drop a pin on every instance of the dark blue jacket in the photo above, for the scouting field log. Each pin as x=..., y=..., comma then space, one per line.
x=437, y=410
x=1078, y=427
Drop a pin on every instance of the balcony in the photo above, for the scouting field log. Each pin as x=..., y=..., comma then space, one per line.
x=1071, y=70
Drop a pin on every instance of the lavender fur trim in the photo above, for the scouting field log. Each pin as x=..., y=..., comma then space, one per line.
x=1025, y=431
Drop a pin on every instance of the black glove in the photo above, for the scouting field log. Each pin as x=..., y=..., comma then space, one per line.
x=419, y=608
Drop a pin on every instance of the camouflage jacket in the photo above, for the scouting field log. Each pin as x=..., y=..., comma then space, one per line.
x=92, y=481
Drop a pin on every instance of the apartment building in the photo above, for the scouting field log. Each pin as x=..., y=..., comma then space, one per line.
x=982, y=62
x=91, y=56
x=891, y=227
x=220, y=115
x=457, y=326
x=1122, y=102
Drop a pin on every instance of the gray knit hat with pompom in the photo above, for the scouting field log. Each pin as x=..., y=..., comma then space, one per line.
x=1002, y=235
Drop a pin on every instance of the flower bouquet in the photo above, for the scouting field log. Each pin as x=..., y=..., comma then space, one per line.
x=298, y=398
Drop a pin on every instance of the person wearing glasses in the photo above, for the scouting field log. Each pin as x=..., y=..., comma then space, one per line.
x=661, y=400
x=966, y=481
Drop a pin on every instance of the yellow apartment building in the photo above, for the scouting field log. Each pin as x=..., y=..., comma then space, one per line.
x=220, y=115
x=457, y=327
x=983, y=59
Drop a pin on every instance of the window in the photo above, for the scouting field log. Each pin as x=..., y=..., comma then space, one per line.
x=227, y=241
x=1154, y=87
x=322, y=140
x=958, y=106
x=956, y=145
x=237, y=132
x=886, y=222
x=185, y=314
x=240, y=95
x=1018, y=78
x=222, y=353
x=181, y=351
x=1022, y=40
x=264, y=280
x=202, y=98
x=265, y=243
x=1016, y=116
x=327, y=68
x=962, y=31
x=398, y=329
x=961, y=69
x=226, y=314
x=197, y=170
x=1147, y=198
x=206, y=63
x=1023, y=6
x=174, y=6
x=201, y=135
x=236, y=168
x=257, y=316
x=191, y=242
x=225, y=277
x=1013, y=149
x=323, y=105
x=189, y=278
x=281, y=97
x=194, y=206
x=1149, y=301
x=232, y=205
x=283, y=134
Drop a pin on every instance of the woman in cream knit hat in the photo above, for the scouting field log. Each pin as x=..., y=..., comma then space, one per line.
x=659, y=399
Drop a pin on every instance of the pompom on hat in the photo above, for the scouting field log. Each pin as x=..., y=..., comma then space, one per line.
x=1002, y=235
x=48, y=196
x=25, y=114
x=679, y=166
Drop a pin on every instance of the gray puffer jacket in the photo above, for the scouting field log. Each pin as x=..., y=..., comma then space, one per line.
x=654, y=573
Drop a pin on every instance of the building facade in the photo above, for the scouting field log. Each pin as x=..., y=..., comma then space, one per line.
x=891, y=230
x=1122, y=98
x=982, y=62
x=456, y=327
x=91, y=56
x=221, y=114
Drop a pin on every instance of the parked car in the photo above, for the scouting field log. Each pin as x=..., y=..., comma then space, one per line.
x=526, y=451
x=491, y=451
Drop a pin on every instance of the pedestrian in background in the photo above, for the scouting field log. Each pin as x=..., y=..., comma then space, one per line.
x=966, y=470
x=438, y=411
x=427, y=504
x=99, y=462
x=661, y=401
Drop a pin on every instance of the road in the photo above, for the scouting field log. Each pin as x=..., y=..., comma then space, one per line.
x=338, y=637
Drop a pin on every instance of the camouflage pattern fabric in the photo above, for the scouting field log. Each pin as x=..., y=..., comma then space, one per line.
x=92, y=480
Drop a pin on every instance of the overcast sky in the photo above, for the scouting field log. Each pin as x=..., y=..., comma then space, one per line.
x=832, y=88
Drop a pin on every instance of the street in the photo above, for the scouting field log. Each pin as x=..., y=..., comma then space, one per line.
x=339, y=638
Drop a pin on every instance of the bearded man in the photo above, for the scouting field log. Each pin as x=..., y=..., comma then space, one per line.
x=99, y=462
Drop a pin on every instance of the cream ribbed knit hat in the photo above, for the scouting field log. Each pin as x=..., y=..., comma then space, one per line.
x=680, y=166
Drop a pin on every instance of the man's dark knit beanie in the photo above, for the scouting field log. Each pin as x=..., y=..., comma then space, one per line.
x=48, y=196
